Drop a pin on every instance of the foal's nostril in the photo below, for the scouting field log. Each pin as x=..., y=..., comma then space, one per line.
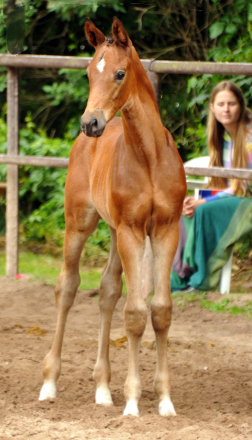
x=94, y=123
x=91, y=127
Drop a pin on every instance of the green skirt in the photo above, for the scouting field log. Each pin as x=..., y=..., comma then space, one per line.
x=210, y=236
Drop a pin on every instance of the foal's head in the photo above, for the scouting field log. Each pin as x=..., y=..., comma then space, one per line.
x=110, y=76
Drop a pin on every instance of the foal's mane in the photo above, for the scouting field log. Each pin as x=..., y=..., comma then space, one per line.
x=109, y=40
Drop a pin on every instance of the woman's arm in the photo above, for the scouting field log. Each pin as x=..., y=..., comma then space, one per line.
x=190, y=204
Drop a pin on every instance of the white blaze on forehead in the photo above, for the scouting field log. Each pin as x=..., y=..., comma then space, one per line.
x=100, y=65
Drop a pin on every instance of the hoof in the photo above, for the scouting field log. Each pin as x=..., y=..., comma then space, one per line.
x=103, y=397
x=48, y=391
x=166, y=408
x=131, y=409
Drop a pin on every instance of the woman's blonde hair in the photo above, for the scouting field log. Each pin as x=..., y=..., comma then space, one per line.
x=215, y=139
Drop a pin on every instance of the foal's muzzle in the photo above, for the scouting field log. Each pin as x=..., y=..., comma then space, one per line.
x=93, y=123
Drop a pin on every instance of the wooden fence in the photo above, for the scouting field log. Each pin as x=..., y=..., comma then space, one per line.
x=153, y=68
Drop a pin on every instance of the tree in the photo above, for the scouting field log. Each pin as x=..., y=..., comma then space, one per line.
x=52, y=101
x=164, y=29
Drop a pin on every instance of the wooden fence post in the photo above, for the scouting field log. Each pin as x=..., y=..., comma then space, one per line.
x=12, y=173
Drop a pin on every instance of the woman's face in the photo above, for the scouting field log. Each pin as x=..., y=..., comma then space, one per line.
x=226, y=108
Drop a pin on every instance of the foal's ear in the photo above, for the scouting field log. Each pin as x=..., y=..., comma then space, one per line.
x=119, y=33
x=94, y=36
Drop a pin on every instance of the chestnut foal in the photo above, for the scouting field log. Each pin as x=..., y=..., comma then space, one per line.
x=128, y=171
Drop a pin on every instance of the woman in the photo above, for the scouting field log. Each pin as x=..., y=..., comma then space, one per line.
x=210, y=226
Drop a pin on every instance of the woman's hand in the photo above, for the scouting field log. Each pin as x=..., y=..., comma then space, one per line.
x=190, y=204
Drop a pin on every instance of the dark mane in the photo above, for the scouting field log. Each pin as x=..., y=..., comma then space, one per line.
x=109, y=40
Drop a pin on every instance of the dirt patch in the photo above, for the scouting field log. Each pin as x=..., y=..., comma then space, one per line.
x=209, y=357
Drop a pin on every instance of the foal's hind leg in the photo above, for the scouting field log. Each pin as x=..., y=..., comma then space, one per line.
x=164, y=248
x=66, y=288
x=110, y=292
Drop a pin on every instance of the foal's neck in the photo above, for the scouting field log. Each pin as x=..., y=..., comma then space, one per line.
x=143, y=129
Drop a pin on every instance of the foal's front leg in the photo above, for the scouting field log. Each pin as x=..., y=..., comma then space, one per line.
x=161, y=311
x=66, y=288
x=110, y=292
x=131, y=250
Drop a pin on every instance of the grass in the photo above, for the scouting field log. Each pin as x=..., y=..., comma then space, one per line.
x=47, y=268
x=225, y=305
x=185, y=298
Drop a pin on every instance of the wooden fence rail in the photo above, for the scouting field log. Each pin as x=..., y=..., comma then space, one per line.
x=35, y=161
x=61, y=162
x=153, y=68
x=157, y=66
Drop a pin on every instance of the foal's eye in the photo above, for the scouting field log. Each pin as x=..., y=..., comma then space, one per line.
x=120, y=75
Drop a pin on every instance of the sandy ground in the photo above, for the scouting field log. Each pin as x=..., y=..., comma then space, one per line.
x=209, y=357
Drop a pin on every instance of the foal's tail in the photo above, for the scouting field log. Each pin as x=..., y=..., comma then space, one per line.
x=147, y=269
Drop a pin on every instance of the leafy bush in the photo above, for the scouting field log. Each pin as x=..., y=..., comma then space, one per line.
x=211, y=30
x=41, y=191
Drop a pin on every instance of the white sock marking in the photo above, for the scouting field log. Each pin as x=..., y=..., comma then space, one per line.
x=103, y=397
x=166, y=408
x=131, y=409
x=48, y=391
